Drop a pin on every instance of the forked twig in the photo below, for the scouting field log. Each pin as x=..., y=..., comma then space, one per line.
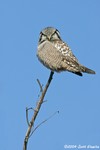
x=27, y=109
x=38, y=106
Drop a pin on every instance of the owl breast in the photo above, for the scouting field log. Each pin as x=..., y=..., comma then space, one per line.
x=50, y=56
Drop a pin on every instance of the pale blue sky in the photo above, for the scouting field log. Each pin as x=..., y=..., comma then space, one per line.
x=76, y=98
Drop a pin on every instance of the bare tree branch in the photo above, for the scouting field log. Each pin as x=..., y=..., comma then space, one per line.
x=36, y=111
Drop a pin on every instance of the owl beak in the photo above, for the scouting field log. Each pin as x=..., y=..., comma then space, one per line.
x=49, y=37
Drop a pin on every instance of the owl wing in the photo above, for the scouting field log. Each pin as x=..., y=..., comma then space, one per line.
x=71, y=61
x=68, y=57
x=65, y=50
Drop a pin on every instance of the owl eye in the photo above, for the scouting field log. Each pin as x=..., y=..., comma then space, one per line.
x=55, y=36
x=42, y=37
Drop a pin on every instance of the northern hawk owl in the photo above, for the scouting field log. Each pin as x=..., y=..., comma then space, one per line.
x=56, y=54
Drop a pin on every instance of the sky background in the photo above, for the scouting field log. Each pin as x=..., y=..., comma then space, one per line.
x=76, y=98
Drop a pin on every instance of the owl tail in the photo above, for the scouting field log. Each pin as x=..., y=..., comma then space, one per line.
x=87, y=70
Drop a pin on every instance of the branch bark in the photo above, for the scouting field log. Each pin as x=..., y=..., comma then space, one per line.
x=36, y=111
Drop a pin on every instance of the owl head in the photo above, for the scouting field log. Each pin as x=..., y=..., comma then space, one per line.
x=49, y=34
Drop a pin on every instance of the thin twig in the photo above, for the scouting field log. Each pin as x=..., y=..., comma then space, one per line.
x=38, y=106
x=40, y=85
x=43, y=122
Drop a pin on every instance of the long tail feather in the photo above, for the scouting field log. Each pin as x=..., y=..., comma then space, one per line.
x=87, y=70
